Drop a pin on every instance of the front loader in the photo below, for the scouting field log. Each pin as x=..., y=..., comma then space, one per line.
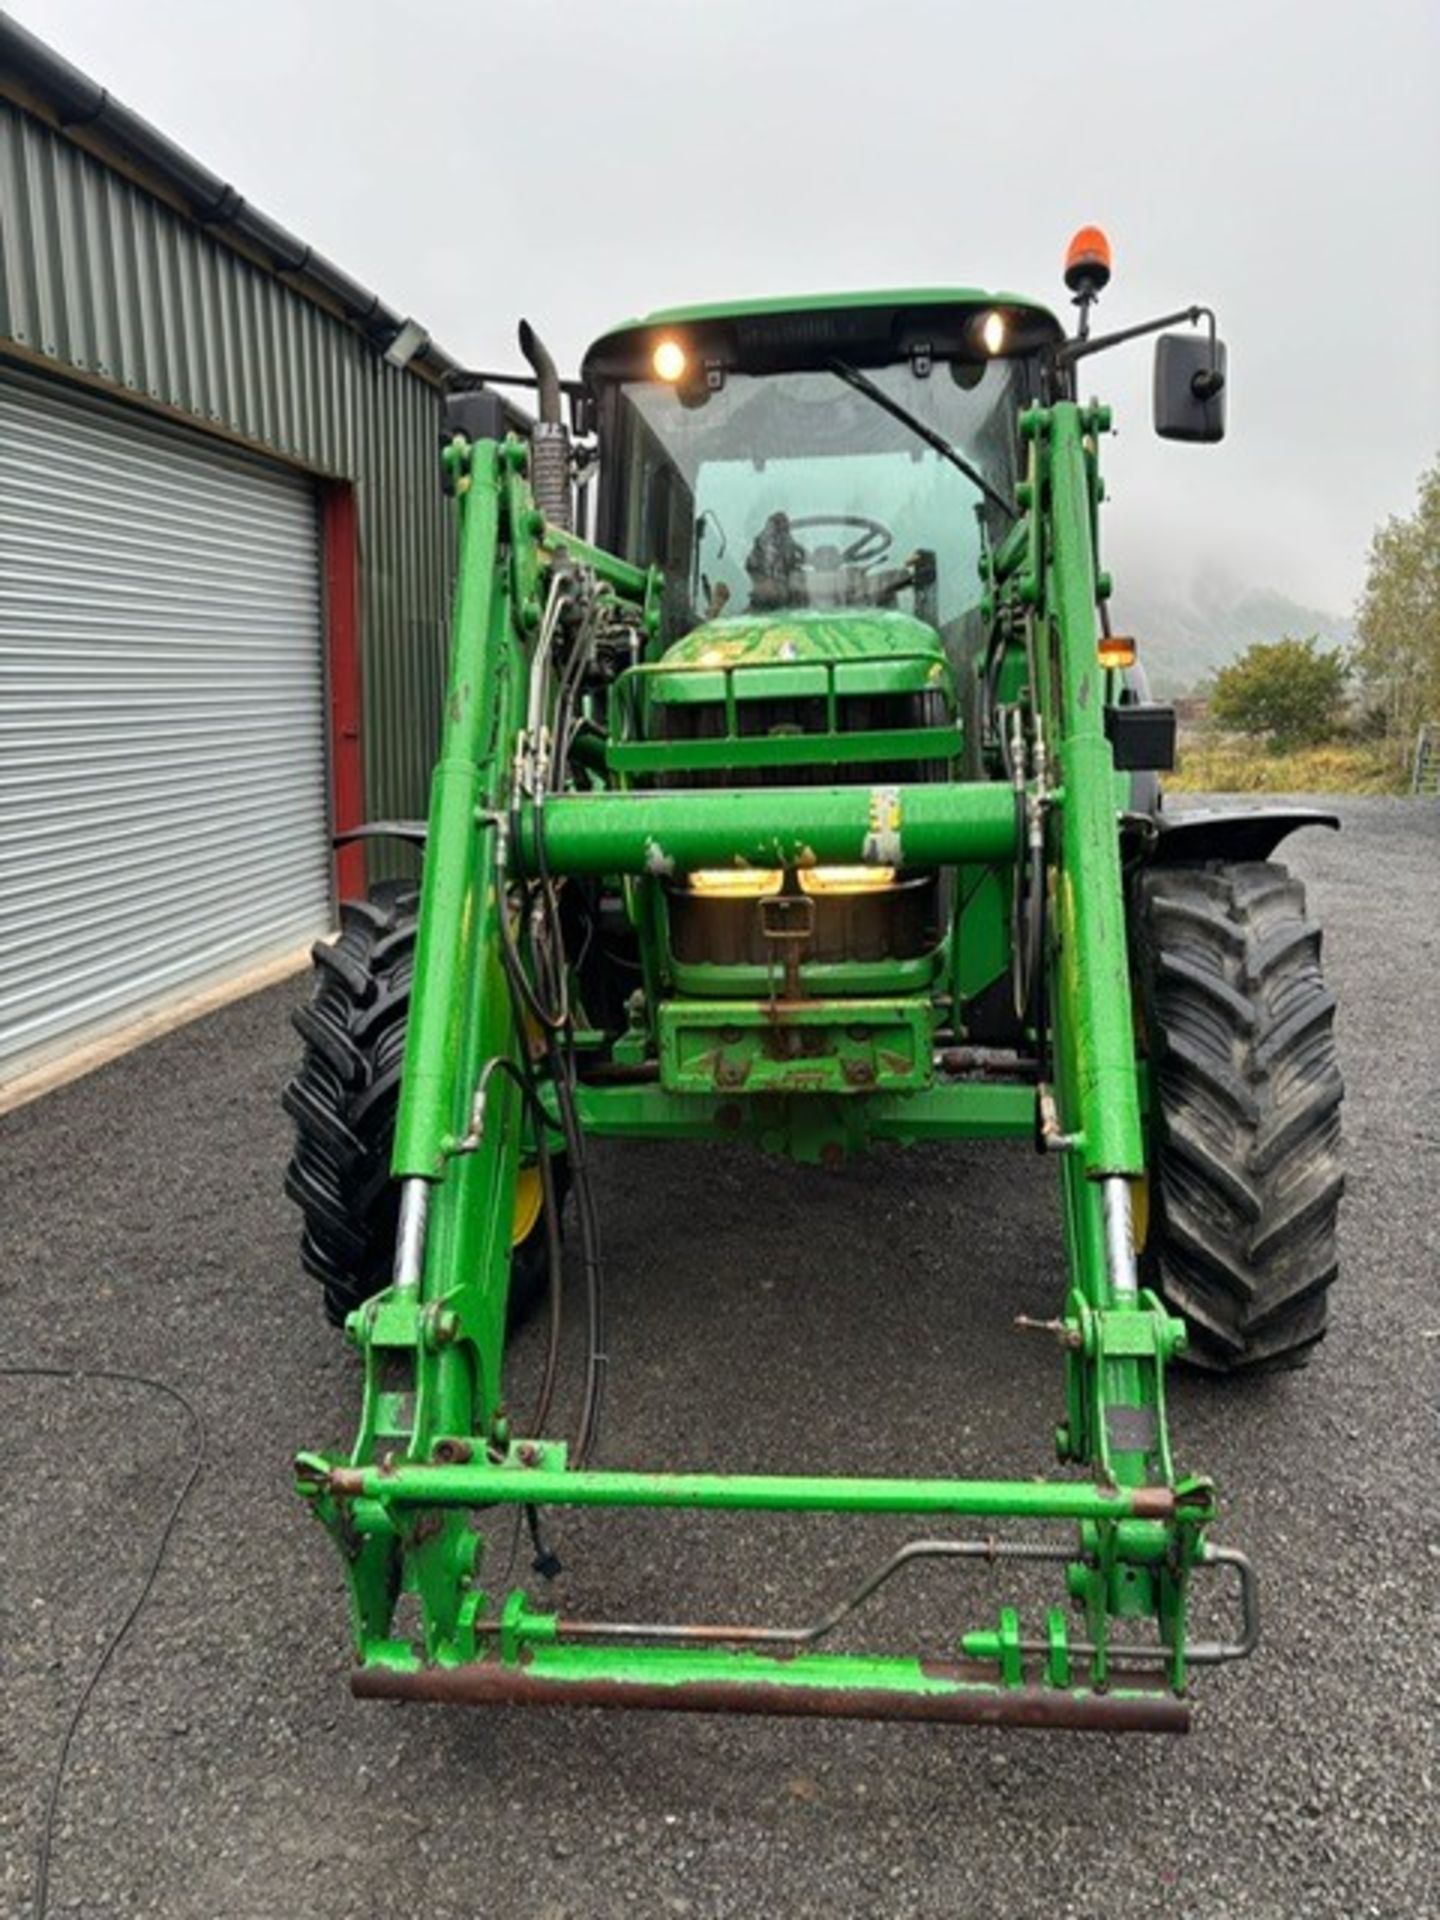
x=795, y=788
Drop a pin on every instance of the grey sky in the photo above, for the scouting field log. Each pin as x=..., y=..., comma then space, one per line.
x=1279, y=159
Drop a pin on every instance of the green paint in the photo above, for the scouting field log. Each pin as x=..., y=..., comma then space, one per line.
x=671, y=832
x=851, y=1047
x=861, y=651
x=811, y=662
x=477, y=1485
x=969, y=1110
x=568, y=1666
x=877, y=746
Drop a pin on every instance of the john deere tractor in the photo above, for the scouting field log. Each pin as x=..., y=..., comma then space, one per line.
x=796, y=788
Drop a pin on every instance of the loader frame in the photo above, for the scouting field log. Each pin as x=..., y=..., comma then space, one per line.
x=436, y=1462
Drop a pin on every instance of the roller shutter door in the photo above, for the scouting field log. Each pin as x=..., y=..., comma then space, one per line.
x=163, y=786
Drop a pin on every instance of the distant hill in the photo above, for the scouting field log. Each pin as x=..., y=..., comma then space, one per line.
x=1182, y=639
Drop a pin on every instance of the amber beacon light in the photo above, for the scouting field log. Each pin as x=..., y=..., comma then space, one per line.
x=1087, y=261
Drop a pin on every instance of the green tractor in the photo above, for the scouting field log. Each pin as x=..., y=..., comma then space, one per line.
x=795, y=788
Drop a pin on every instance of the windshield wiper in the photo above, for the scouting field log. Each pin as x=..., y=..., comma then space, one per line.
x=853, y=377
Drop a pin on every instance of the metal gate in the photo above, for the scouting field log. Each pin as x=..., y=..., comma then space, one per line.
x=163, y=786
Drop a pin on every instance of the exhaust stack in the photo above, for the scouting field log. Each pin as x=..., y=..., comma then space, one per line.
x=550, y=438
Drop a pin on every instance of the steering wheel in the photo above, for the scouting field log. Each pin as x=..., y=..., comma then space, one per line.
x=874, y=542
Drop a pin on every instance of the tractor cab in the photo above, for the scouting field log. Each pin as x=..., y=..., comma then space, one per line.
x=813, y=454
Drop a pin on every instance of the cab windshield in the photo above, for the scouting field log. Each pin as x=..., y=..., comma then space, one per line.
x=792, y=490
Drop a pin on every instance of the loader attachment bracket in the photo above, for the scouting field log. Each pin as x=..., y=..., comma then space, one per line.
x=478, y=1652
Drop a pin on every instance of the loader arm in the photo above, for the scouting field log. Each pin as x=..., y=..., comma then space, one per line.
x=437, y=1449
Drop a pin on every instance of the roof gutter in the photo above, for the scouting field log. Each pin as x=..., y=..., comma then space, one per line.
x=82, y=107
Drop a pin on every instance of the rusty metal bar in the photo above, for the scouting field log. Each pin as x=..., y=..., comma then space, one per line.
x=972, y=1700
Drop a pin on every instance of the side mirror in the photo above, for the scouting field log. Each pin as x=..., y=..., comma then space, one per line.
x=1189, y=387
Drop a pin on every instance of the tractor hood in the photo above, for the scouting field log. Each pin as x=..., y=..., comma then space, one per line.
x=785, y=656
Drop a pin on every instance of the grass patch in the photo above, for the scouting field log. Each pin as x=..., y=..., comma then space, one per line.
x=1210, y=763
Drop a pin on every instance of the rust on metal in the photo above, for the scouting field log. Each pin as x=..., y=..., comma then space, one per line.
x=1061, y=1330
x=1152, y=1503
x=700, y=1632
x=485, y=1684
x=621, y=1073
x=1000, y=1061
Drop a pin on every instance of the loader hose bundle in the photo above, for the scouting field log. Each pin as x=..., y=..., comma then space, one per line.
x=540, y=991
x=1027, y=904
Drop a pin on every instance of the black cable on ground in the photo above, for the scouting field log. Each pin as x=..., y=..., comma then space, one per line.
x=45, y=1848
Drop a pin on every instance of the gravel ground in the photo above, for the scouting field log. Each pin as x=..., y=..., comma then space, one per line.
x=761, y=1318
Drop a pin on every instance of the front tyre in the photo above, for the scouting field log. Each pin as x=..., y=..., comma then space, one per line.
x=344, y=1100
x=1244, y=1110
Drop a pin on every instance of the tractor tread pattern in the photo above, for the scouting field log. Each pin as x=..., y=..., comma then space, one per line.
x=343, y=1099
x=1245, y=1110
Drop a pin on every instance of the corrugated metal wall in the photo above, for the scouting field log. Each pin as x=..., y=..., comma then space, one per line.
x=98, y=276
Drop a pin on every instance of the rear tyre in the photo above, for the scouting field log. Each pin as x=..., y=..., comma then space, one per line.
x=343, y=1102
x=1245, y=1091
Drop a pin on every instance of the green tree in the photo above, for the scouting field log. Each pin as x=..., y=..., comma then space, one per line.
x=1398, y=619
x=1293, y=691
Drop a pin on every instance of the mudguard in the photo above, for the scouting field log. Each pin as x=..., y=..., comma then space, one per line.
x=1213, y=833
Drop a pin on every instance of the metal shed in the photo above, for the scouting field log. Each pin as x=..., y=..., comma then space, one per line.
x=224, y=568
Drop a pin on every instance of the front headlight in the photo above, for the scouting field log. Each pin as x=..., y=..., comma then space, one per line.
x=735, y=883
x=835, y=880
